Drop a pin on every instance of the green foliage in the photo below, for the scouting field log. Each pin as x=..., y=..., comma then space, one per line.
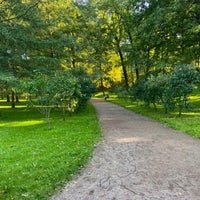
x=49, y=91
x=120, y=91
x=140, y=38
x=180, y=85
x=69, y=90
x=44, y=91
x=172, y=89
x=138, y=90
x=154, y=88
x=87, y=88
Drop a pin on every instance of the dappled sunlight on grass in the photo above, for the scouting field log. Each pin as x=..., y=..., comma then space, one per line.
x=35, y=161
x=195, y=98
x=22, y=123
x=190, y=114
x=9, y=106
x=5, y=105
x=130, y=106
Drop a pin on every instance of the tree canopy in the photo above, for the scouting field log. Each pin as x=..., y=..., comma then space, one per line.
x=117, y=42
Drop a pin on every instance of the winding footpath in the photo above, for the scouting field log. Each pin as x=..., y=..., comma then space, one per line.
x=137, y=159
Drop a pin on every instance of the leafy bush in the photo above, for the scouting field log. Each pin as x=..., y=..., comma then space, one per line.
x=87, y=88
x=44, y=91
x=139, y=89
x=150, y=90
x=180, y=84
x=67, y=90
x=155, y=87
x=121, y=92
x=171, y=90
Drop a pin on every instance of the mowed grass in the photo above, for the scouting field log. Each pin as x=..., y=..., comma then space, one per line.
x=189, y=122
x=36, y=162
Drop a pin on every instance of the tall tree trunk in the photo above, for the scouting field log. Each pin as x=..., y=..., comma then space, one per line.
x=137, y=72
x=17, y=98
x=8, y=98
x=124, y=70
x=102, y=86
x=147, y=63
x=73, y=63
x=133, y=49
x=13, y=99
x=122, y=63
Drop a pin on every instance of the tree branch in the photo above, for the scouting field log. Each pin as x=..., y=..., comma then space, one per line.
x=21, y=15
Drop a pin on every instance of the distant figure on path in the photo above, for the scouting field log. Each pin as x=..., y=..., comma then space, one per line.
x=106, y=97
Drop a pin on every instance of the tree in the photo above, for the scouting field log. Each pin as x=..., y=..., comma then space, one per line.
x=172, y=89
x=67, y=91
x=15, y=33
x=44, y=92
x=86, y=87
x=113, y=33
x=148, y=37
x=180, y=85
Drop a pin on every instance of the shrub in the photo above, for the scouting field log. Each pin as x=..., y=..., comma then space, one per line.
x=171, y=90
x=58, y=89
x=139, y=89
x=181, y=82
x=68, y=90
x=87, y=88
x=150, y=90
x=155, y=87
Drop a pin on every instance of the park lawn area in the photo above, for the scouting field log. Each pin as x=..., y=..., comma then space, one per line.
x=188, y=122
x=36, y=162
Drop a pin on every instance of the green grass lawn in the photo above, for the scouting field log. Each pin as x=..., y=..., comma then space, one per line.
x=36, y=162
x=189, y=122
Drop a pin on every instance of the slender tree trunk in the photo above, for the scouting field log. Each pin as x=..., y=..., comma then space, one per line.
x=102, y=86
x=133, y=49
x=122, y=63
x=63, y=108
x=147, y=63
x=73, y=63
x=132, y=76
x=8, y=98
x=13, y=99
x=124, y=70
x=47, y=116
x=197, y=60
x=17, y=98
x=137, y=72
x=52, y=52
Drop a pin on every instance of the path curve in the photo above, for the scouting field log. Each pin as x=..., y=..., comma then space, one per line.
x=137, y=159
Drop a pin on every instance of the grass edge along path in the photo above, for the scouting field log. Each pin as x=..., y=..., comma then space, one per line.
x=36, y=162
x=187, y=123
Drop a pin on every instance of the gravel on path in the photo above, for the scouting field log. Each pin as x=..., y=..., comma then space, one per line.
x=137, y=159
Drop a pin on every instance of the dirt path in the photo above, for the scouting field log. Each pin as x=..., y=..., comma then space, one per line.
x=137, y=159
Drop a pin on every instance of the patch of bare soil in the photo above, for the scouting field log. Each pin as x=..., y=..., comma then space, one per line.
x=137, y=159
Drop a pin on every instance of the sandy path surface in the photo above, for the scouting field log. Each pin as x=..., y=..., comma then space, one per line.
x=137, y=159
